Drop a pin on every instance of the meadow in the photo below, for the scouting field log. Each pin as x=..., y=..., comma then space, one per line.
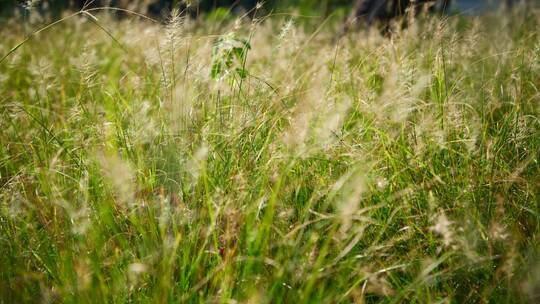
x=230, y=160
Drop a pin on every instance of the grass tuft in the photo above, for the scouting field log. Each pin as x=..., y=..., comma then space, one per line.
x=373, y=169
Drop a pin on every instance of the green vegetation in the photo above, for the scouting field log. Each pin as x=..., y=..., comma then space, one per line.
x=268, y=162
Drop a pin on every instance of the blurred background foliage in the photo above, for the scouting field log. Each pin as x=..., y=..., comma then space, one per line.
x=160, y=7
x=314, y=10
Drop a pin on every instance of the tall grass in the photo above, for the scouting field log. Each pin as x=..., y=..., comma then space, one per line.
x=369, y=169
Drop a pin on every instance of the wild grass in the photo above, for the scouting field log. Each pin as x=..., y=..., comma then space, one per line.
x=308, y=169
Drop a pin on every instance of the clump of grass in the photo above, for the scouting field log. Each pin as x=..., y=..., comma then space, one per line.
x=381, y=169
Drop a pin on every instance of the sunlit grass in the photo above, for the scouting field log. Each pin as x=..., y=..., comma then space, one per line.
x=314, y=169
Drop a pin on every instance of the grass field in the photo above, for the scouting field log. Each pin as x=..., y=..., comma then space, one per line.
x=267, y=161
